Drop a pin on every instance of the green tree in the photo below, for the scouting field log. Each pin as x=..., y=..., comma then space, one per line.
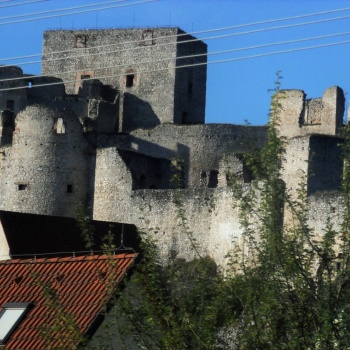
x=285, y=288
x=293, y=288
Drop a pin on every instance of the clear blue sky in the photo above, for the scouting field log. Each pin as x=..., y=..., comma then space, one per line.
x=236, y=90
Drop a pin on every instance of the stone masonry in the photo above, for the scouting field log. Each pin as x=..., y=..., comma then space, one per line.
x=114, y=120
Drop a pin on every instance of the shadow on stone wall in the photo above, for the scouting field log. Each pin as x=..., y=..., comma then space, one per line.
x=138, y=114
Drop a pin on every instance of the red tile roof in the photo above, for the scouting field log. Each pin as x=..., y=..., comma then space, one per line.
x=65, y=291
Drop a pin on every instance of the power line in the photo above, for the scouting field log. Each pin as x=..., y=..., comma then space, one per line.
x=21, y=3
x=77, y=12
x=190, y=65
x=60, y=10
x=176, y=36
x=178, y=58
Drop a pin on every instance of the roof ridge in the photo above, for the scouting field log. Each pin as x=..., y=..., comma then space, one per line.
x=67, y=259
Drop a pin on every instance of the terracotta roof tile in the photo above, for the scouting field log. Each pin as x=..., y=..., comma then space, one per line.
x=79, y=285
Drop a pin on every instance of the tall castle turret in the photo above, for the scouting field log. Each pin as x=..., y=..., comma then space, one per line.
x=143, y=64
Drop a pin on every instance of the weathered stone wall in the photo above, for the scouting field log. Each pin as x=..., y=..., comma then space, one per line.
x=189, y=104
x=211, y=214
x=212, y=220
x=137, y=135
x=299, y=116
x=12, y=99
x=315, y=161
x=138, y=62
x=45, y=170
x=200, y=146
x=295, y=165
x=148, y=172
x=4, y=246
x=325, y=210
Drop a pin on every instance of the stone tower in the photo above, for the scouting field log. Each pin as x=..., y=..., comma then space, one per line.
x=143, y=64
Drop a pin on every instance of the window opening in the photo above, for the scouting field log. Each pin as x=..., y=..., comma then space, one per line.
x=148, y=38
x=85, y=76
x=203, y=178
x=69, y=188
x=11, y=315
x=213, y=179
x=30, y=84
x=130, y=80
x=80, y=41
x=22, y=187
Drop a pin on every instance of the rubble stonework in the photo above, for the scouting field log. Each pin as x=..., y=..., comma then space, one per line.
x=107, y=133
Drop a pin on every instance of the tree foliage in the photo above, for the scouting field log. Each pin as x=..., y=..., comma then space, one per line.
x=293, y=286
x=285, y=289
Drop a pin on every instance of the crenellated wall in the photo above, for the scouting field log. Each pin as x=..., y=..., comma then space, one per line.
x=299, y=116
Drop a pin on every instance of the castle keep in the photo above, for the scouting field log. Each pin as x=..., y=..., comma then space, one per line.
x=118, y=113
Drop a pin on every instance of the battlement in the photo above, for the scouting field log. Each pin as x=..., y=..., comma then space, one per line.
x=299, y=116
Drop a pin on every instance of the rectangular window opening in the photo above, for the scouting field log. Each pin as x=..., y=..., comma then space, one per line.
x=130, y=80
x=30, y=84
x=69, y=188
x=80, y=40
x=85, y=76
x=22, y=187
x=213, y=178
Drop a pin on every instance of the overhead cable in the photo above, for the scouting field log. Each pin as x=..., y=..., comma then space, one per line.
x=56, y=74
x=77, y=12
x=187, y=65
x=20, y=3
x=170, y=36
x=203, y=31
x=61, y=10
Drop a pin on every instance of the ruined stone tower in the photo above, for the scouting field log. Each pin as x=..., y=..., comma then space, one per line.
x=143, y=64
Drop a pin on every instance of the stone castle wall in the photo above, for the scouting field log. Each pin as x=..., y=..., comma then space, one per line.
x=200, y=146
x=116, y=145
x=138, y=62
x=46, y=169
x=299, y=116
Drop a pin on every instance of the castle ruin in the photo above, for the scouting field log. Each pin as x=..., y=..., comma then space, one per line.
x=118, y=112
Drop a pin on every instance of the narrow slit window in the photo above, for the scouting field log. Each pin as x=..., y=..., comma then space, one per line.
x=30, y=84
x=69, y=188
x=130, y=80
